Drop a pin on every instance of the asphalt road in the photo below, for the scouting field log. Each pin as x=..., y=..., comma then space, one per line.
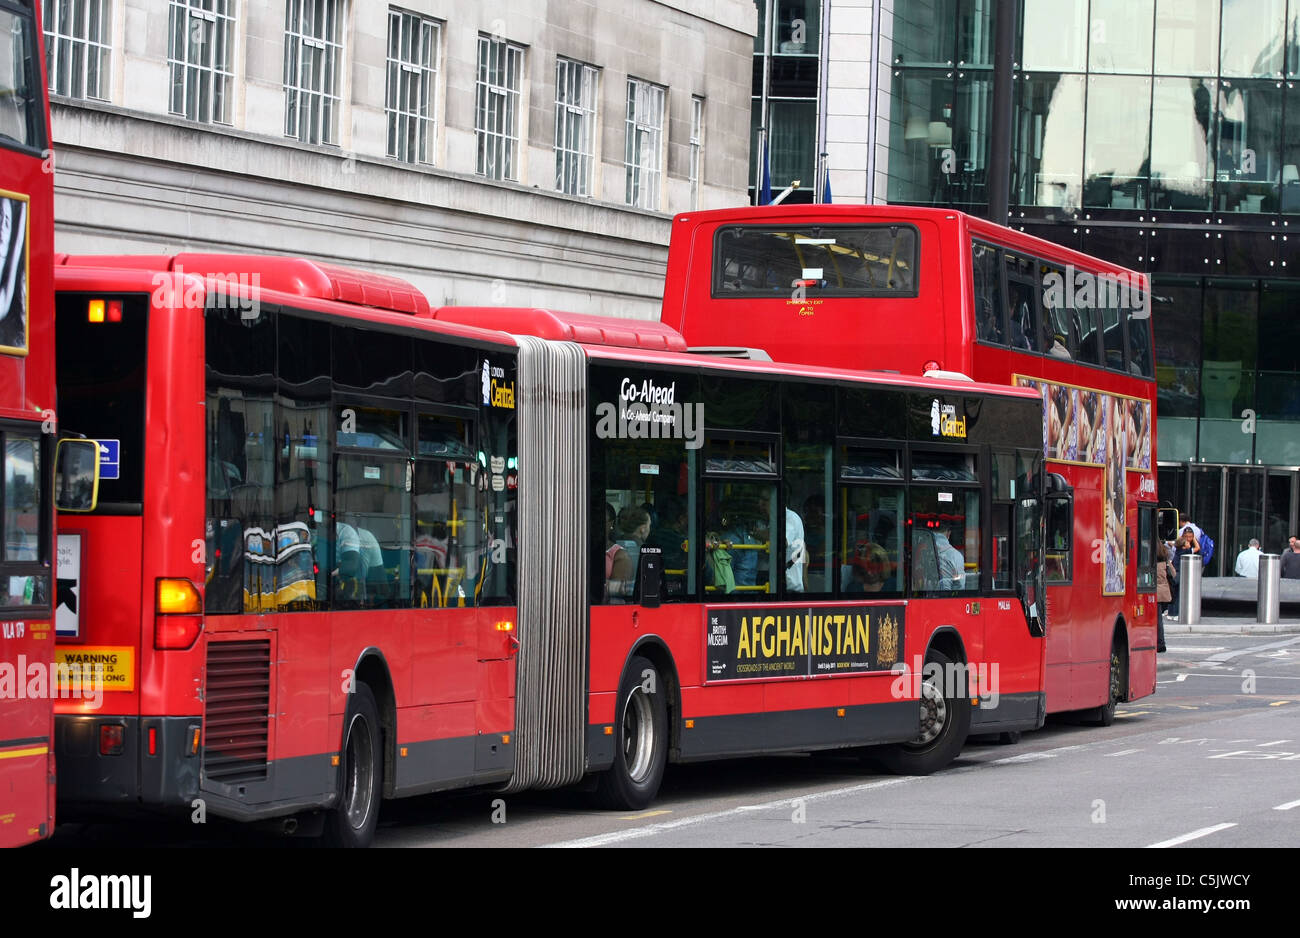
x=1212, y=759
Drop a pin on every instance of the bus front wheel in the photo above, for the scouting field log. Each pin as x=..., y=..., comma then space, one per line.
x=352, y=822
x=640, y=740
x=944, y=726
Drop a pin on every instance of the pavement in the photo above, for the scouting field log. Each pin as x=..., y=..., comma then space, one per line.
x=1220, y=625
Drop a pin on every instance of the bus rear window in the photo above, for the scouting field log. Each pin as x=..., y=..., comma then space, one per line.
x=822, y=260
x=101, y=348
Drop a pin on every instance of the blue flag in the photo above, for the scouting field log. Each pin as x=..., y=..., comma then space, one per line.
x=765, y=190
x=826, y=187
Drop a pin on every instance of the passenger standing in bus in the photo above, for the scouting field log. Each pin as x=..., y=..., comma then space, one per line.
x=796, y=552
x=739, y=536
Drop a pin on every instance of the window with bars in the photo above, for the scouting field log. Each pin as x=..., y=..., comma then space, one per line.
x=697, y=149
x=313, y=50
x=496, y=116
x=412, y=103
x=201, y=57
x=575, y=125
x=77, y=50
x=645, y=121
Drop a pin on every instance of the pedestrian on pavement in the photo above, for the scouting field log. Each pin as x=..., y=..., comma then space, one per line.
x=1163, y=593
x=1248, y=560
x=1186, y=544
x=1291, y=561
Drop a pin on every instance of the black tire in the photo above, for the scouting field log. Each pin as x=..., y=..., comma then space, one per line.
x=640, y=740
x=944, y=726
x=352, y=822
x=1105, y=714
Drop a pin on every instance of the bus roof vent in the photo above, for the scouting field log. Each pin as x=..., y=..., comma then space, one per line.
x=582, y=328
x=731, y=351
x=949, y=375
x=296, y=276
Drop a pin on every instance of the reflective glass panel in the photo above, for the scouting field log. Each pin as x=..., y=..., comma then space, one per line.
x=1115, y=153
x=1120, y=36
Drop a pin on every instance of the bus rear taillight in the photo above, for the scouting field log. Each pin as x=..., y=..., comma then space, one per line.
x=179, y=618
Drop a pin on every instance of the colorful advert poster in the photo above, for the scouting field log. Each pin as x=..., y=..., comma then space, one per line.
x=747, y=642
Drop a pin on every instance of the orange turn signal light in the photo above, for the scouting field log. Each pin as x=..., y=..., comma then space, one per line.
x=95, y=311
x=178, y=597
x=505, y=625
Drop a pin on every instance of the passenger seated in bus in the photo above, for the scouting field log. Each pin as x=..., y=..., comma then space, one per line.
x=717, y=564
x=618, y=565
x=869, y=569
x=349, y=569
x=952, y=565
x=990, y=324
x=1023, y=334
x=632, y=529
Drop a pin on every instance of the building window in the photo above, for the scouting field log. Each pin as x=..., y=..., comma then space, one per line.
x=76, y=47
x=496, y=117
x=645, y=121
x=412, y=86
x=697, y=149
x=201, y=58
x=312, y=52
x=575, y=126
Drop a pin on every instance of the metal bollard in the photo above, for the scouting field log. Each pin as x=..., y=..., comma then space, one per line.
x=1189, y=589
x=1270, y=588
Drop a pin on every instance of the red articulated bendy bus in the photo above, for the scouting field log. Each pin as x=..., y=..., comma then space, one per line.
x=930, y=291
x=27, y=417
x=355, y=548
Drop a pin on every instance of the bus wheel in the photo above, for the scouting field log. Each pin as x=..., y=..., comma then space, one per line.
x=352, y=822
x=1105, y=714
x=945, y=723
x=640, y=740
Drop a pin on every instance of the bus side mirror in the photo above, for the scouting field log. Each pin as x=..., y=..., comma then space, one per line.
x=76, y=475
x=1167, y=523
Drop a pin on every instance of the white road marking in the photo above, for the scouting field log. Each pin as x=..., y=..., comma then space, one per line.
x=1122, y=752
x=1254, y=649
x=1286, y=807
x=1274, y=742
x=650, y=830
x=1203, y=832
x=1026, y=757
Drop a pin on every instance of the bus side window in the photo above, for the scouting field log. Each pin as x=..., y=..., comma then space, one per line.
x=988, y=294
x=1060, y=536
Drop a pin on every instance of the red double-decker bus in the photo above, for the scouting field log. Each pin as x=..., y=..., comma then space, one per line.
x=922, y=290
x=348, y=547
x=27, y=402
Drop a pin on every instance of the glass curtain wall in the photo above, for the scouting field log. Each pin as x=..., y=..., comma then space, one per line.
x=787, y=64
x=940, y=102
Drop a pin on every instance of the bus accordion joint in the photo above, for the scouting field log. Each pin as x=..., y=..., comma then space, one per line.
x=179, y=614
